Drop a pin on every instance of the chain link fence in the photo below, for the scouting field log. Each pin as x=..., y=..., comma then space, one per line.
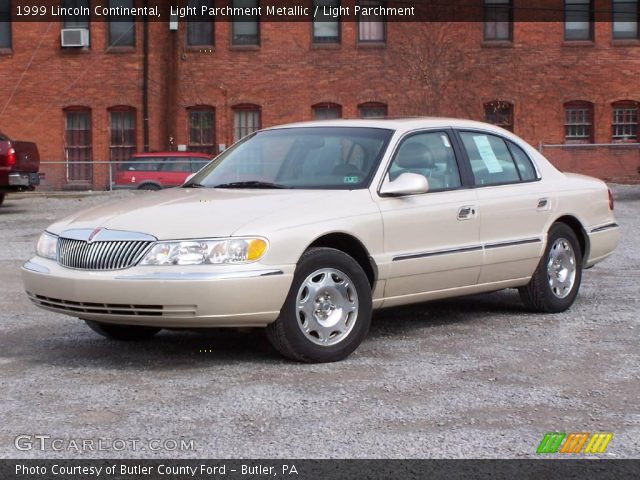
x=141, y=173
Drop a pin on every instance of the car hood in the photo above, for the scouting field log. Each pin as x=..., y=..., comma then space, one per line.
x=198, y=213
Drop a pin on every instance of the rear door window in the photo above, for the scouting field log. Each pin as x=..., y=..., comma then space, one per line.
x=490, y=159
x=197, y=163
x=176, y=164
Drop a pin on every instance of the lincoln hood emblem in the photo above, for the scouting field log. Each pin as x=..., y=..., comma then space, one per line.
x=93, y=234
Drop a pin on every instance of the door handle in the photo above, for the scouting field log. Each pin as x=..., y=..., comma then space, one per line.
x=467, y=212
x=543, y=203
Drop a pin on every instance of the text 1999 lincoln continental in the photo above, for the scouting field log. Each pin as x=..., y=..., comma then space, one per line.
x=305, y=228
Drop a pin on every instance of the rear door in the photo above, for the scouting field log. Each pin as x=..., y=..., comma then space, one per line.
x=433, y=238
x=513, y=210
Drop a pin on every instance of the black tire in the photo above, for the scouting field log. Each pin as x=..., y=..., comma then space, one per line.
x=286, y=333
x=149, y=186
x=538, y=295
x=2, y=196
x=122, y=332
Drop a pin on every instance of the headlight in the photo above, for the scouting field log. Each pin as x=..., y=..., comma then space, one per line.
x=47, y=246
x=206, y=252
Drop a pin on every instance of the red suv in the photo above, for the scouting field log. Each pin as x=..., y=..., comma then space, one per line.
x=153, y=171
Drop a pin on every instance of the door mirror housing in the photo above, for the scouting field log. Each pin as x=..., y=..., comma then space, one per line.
x=405, y=184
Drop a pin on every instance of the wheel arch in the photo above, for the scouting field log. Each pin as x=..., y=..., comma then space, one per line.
x=353, y=247
x=148, y=182
x=581, y=234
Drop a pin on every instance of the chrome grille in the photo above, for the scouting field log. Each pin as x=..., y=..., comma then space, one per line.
x=100, y=255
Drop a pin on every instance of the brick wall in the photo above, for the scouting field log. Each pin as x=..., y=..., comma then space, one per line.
x=423, y=69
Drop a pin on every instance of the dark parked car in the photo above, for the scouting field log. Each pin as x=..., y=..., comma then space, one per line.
x=153, y=171
x=19, y=164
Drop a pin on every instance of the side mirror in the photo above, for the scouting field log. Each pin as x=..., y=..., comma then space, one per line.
x=405, y=184
x=189, y=178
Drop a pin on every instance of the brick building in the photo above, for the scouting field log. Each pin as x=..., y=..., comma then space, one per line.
x=142, y=86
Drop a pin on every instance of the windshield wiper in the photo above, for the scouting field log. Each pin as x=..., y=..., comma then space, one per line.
x=250, y=184
x=194, y=185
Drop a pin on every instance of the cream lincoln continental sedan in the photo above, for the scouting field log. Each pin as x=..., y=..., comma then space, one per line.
x=306, y=228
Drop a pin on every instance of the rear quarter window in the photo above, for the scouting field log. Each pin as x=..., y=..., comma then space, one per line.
x=523, y=162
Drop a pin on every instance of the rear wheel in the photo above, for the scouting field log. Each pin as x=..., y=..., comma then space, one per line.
x=556, y=281
x=149, y=186
x=327, y=312
x=122, y=332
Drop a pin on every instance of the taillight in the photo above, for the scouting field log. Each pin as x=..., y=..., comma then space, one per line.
x=610, y=199
x=11, y=157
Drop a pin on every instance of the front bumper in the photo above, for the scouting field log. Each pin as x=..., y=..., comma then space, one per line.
x=167, y=297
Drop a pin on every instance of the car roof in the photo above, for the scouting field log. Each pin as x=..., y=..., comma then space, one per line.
x=400, y=124
x=171, y=154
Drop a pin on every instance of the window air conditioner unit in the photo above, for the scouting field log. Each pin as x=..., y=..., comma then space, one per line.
x=74, y=37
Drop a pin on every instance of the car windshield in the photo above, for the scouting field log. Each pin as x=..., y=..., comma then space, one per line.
x=305, y=157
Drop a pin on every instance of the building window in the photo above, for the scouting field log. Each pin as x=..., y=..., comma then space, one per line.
x=371, y=28
x=202, y=127
x=326, y=28
x=626, y=17
x=498, y=20
x=122, y=127
x=122, y=28
x=625, y=122
x=245, y=29
x=499, y=113
x=578, y=123
x=246, y=120
x=372, y=110
x=77, y=144
x=327, y=111
x=76, y=21
x=578, y=20
x=5, y=23
x=199, y=27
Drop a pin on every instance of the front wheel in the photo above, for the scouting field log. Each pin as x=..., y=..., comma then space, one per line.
x=556, y=281
x=122, y=332
x=327, y=312
x=2, y=195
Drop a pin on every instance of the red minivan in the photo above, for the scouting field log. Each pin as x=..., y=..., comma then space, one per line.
x=153, y=171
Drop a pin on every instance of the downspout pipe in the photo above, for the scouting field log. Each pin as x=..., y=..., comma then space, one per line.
x=145, y=82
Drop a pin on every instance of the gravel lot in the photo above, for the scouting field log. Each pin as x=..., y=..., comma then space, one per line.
x=477, y=377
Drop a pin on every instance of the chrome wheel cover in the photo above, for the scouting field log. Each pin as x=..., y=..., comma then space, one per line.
x=561, y=268
x=327, y=307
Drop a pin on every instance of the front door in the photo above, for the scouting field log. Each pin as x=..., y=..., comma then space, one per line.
x=432, y=238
